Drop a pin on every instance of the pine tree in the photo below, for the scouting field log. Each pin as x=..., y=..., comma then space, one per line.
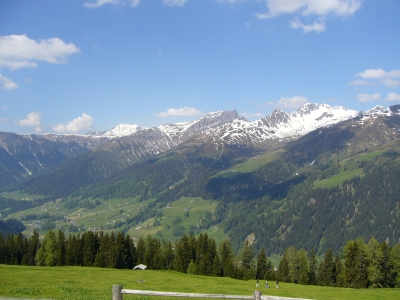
x=167, y=254
x=283, y=269
x=302, y=266
x=246, y=255
x=140, y=250
x=48, y=252
x=33, y=247
x=355, y=271
x=130, y=252
x=120, y=251
x=217, y=270
x=226, y=255
x=327, y=275
x=3, y=250
x=375, y=259
x=192, y=268
x=270, y=273
x=312, y=265
x=261, y=264
x=394, y=263
x=61, y=244
x=385, y=266
x=183, y=255
x=338, y=272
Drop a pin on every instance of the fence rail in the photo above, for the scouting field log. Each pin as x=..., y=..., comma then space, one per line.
x=257, y=295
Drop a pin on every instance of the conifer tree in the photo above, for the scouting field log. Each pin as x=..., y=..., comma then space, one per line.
x=100, y=255
x=327, y=275
x=355, y=272
x=130, y=251
x=394, y=263
x=338, y=272
x=140, y=250
x=302, y=267
x=313, y=264
x=167, y=255
x=90, y=247
x=385, y=265
x=120, y=251
x=192, y=268
x=246, y=256
x=182, y=255
x=270, y=274
x=283, y=269
x=61, y=244
x=375, y=263
x=3, y=250
x=261, y=264
x=217, y=270
x=226, y=256
x=47, y=254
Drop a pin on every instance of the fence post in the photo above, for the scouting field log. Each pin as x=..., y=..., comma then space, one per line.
x=257, y=295
x=116, y=291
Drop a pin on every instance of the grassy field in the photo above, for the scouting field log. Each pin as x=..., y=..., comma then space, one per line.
x=104, y=216
x=80, y=283
x=190, y=210
x=251, y=165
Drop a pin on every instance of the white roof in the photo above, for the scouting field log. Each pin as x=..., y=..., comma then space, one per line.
x=142, y=267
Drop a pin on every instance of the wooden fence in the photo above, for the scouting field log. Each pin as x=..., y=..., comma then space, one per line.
x=117, y=292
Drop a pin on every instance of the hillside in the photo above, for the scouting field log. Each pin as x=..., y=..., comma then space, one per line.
x=333, y=184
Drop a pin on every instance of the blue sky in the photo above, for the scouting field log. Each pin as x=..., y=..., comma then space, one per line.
x=73, y=66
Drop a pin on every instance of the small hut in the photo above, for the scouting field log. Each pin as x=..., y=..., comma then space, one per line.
x=141, y=267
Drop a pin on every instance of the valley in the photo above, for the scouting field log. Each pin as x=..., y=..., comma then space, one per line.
x=312, y=188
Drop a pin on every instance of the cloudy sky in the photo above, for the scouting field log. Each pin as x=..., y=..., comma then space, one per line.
x=73, y=66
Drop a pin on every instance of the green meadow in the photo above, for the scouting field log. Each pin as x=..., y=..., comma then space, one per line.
x=83, y=283
x=189, y=211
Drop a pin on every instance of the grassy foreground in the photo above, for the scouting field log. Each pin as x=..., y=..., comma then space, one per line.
x=95, y=283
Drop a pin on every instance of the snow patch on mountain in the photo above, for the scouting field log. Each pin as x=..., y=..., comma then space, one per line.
x=118, y=131
x=282, y=126
x=378, y=110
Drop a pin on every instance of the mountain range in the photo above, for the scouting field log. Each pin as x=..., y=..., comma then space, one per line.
x=24, y=155
x=271, y=163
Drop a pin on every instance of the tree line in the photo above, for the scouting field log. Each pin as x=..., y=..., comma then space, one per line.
x=359, y=265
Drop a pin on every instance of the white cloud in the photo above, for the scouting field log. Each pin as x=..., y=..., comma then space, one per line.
x=316, y=26
x=32, y=120
x=378, y=74
x=180, y=112
x=359, y=82
x=99, y=3
x=7, y=83
x=312, y=7
x=135, y=3
x=19, y=51
x=175, y=2
x=368, y=97
x=291, y=103
x=389, y=82
x=387, y=78
x=393, y=97
x=319, y=8
x=82, y=123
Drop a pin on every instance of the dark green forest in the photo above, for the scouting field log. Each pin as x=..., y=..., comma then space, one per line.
x=357, y=265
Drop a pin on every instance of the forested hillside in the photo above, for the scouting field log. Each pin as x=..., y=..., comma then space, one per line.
x=334, y=184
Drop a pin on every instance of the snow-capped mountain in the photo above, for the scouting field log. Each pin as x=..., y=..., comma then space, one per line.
x=22, y=155
x=118, y=131
x=282, y=126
